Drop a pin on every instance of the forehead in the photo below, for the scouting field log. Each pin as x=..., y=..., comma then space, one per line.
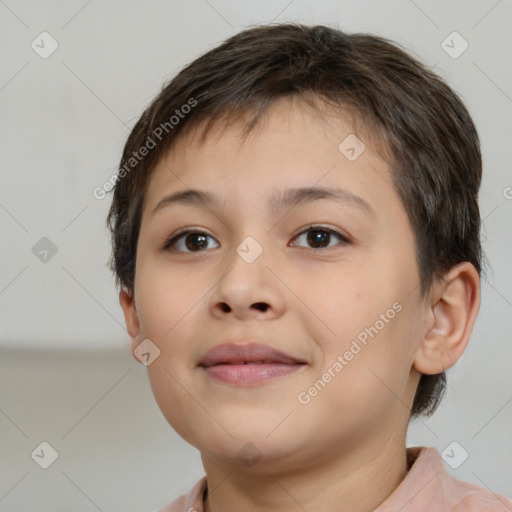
x=283, y=115
x=293, y=144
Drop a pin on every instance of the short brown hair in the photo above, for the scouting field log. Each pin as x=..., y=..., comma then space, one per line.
x=424, y=128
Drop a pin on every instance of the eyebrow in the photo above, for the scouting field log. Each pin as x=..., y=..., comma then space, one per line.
x=286, y=199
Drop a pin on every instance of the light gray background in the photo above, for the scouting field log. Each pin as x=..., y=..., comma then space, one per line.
x=66, y=374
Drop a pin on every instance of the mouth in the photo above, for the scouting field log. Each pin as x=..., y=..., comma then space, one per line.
x=249, y=364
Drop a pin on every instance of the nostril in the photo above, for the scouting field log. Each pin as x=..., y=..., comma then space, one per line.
x=225, y=308
x=262, y=306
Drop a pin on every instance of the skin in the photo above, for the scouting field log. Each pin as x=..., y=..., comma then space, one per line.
x=346, y=447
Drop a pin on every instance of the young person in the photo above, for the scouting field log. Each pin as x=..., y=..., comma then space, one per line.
x=295, y=231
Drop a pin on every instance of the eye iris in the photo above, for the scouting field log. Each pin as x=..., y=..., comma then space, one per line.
x=198, y=241
x=316, y=236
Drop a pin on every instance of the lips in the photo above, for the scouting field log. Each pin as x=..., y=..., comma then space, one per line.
x=251, y=353
x=248, y=364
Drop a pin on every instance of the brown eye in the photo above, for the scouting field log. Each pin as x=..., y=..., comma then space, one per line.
x=320, y=238
x=188, y=241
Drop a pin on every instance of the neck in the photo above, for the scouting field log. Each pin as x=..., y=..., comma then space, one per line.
x=356, y=480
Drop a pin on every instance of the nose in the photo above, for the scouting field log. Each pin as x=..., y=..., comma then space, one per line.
x=248, y=291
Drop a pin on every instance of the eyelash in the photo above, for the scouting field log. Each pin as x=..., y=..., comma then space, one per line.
x=312, y=227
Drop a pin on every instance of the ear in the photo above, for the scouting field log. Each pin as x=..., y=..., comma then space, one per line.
x=454, y=305
x=127, y=301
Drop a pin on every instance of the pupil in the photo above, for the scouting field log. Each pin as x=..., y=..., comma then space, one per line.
x=198, y=240
x=317, y=236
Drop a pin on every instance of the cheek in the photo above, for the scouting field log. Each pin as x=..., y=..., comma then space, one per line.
x=171, y=388
x=165, y=298
x=366, y=318
x=366, y=375
x=345, y=299
x=170, y=303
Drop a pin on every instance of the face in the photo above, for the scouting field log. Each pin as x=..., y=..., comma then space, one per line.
x=329, y=280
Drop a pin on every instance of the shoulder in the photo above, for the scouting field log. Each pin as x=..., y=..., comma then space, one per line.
x=462, y=496
x=428, y=487
x=468, y=497
x=178, y=505
x=191, y=502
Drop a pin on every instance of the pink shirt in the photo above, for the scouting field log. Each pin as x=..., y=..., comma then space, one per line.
x=426, y=488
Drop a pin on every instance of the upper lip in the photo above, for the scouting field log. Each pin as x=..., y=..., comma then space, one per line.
x=232, y=353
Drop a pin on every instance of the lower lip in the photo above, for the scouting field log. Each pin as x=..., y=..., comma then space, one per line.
x=248, y=374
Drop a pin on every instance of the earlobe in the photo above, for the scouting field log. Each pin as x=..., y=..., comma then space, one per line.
x=452, y=315
x=131, y=317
